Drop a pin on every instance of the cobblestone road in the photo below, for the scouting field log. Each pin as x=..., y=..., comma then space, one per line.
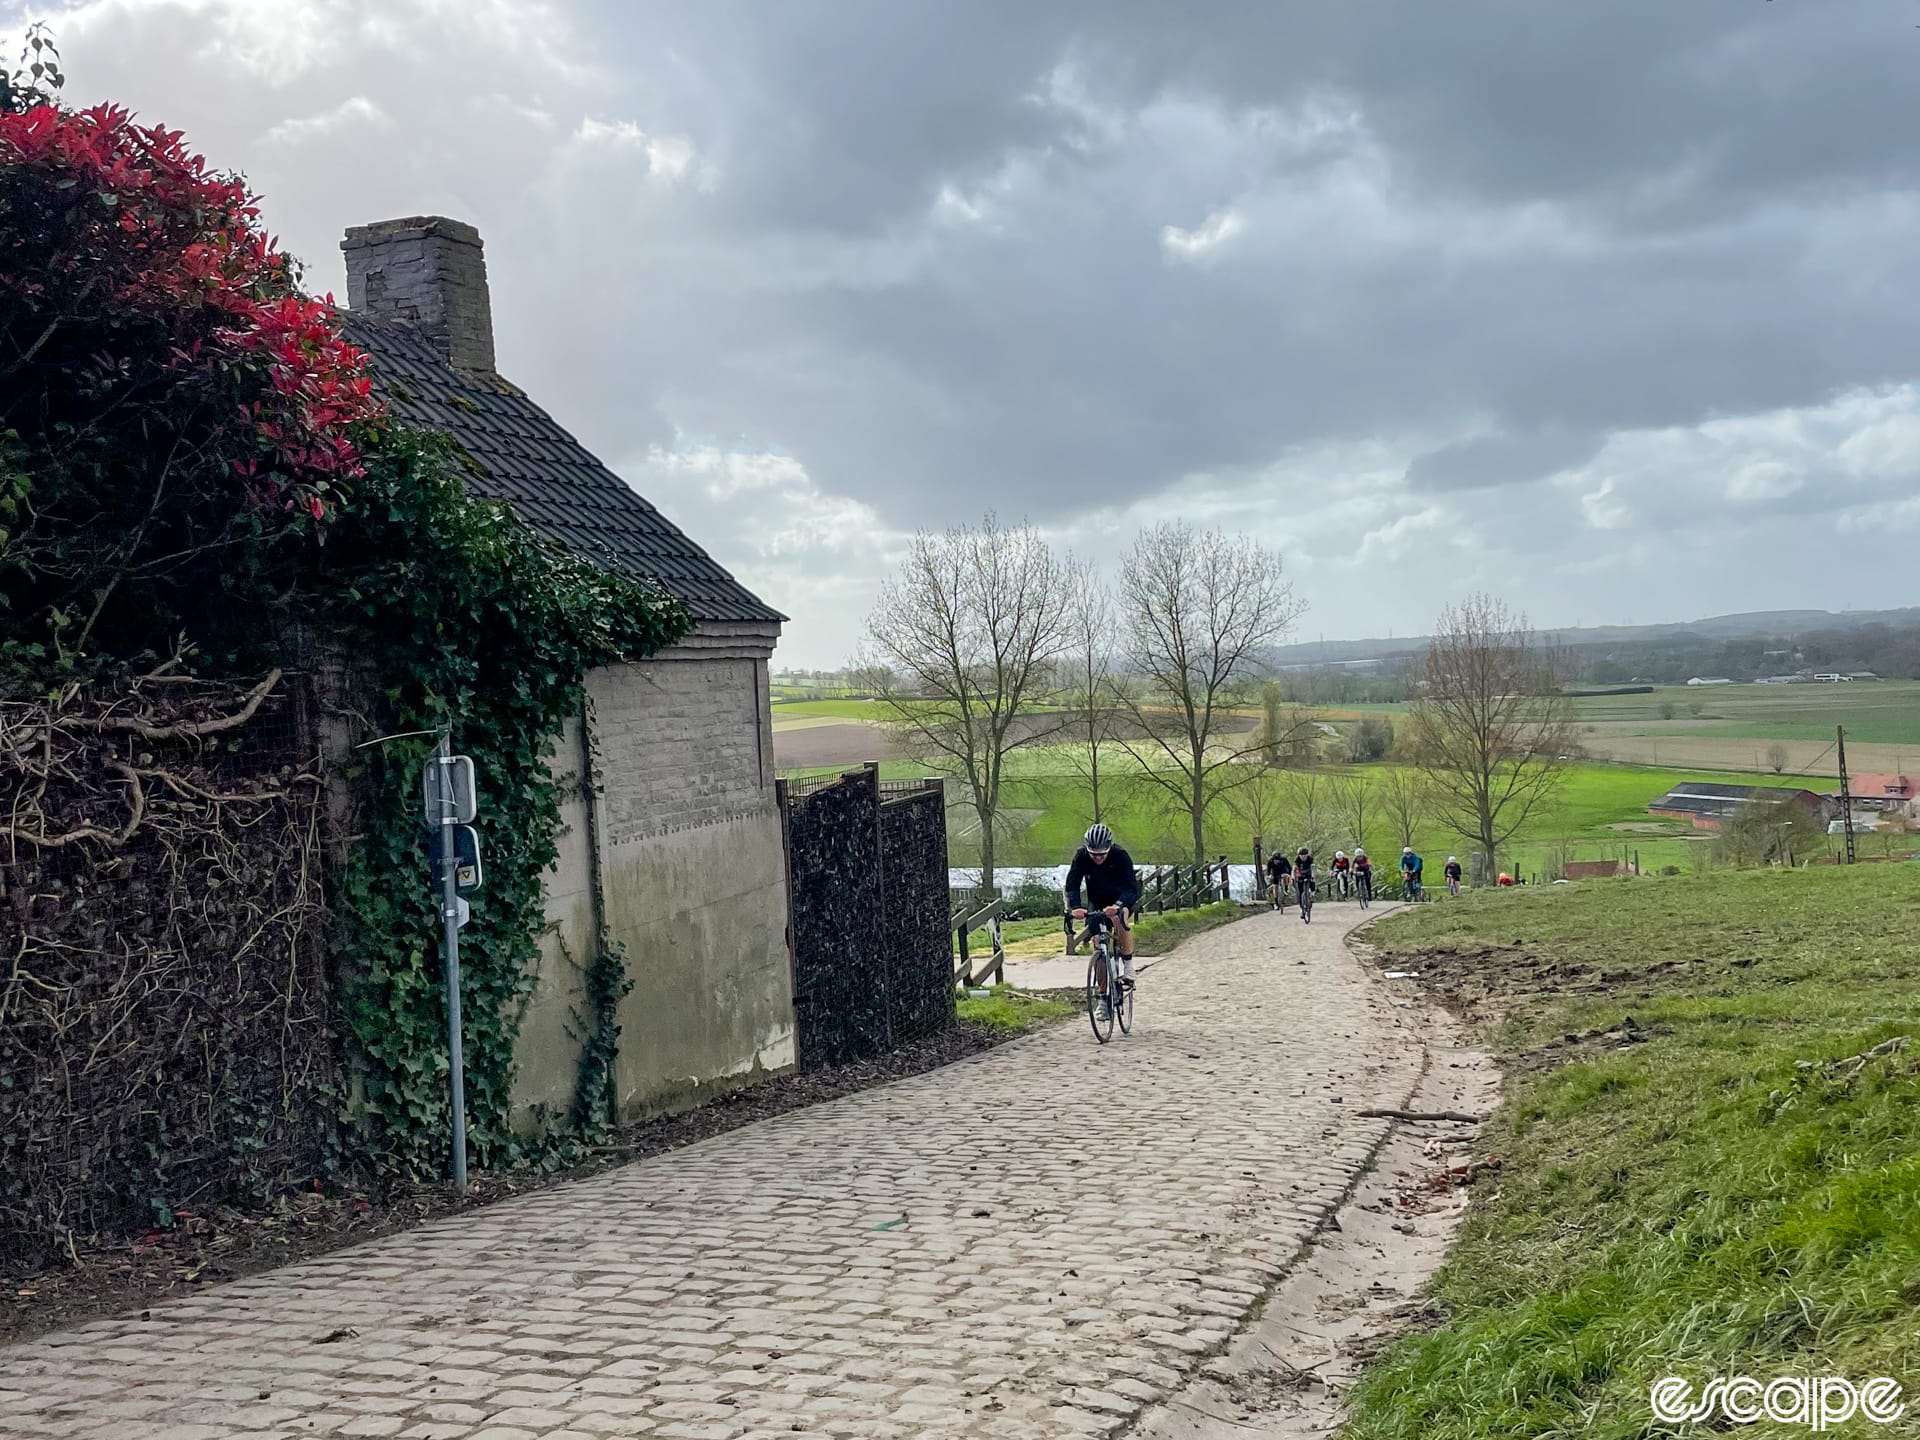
x=1035, y=1242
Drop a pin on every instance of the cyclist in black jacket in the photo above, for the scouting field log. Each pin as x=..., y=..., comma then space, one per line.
x=1111, y=884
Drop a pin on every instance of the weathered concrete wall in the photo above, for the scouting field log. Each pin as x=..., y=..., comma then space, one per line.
x=547, y=1056
x=694, y=873
x=672, y=796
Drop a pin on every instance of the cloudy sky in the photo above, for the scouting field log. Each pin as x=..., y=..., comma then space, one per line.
x=1608, y=307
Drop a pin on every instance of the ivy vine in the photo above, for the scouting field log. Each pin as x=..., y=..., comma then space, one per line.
x=454, y=613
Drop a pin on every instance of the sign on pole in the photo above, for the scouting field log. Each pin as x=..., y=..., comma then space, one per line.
x=468, y=875
x=449, y=804
x=446, y=791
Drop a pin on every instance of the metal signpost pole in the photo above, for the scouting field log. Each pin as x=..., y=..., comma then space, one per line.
x=450, y=918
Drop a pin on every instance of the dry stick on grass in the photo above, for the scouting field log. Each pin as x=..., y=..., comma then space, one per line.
x=1462, y=1118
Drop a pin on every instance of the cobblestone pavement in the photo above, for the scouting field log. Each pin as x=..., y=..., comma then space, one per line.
x=1035, y=1242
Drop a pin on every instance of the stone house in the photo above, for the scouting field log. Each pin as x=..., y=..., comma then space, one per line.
x=668, y=775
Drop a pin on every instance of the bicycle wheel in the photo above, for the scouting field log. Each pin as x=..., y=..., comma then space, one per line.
x=1306, y=907
x=1096, y=996
x=1123, y=1009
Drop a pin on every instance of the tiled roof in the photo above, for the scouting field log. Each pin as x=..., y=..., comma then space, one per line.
x=1699, y=798
x=554, y=484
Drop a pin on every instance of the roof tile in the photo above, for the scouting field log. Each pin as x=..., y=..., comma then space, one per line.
x=554, y=484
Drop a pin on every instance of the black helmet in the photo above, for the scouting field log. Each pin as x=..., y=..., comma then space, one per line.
x=1098, y=837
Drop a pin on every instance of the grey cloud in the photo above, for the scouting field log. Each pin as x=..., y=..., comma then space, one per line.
x=1491, y=461
x=1545, y=224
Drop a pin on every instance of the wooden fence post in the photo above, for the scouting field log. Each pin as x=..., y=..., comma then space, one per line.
x=1259, y=870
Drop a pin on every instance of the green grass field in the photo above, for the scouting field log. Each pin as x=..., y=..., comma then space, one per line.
x=1881, y=711
x=808, y=706
x=1601, y=812
x=1709, y=1165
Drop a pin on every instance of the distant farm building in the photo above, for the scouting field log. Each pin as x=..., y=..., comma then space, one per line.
x=1891, y=794
x=1709, y=680
x=1709, y=807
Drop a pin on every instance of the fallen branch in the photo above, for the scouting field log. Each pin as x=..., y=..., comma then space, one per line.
x=130, y=725
x=1464, y=1119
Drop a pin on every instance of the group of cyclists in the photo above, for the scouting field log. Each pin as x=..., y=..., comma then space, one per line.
x=1349, y=875
x=1102, y=879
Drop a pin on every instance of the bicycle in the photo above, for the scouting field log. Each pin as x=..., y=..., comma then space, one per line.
x=1363, y=887
x=1277, y=893
x=1342, y=885
x=1108, y=999
x=1304, y=891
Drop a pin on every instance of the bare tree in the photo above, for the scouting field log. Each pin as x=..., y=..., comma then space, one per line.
x=1310, y=806
x=1352, y=804
x=1089, y=685
x=1403, y=799
x=1201, y=606
x=1491, y=726
x=1260, y=804
x=1777, y=757
x=967, y=633
x=1288, y=735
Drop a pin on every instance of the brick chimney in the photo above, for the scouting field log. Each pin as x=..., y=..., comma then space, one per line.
x=428, y=270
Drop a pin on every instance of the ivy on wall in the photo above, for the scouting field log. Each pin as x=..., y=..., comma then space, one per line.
x=454, y=613
x=197, y=480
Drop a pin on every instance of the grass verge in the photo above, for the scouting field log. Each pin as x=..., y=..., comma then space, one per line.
x=1159, y=934
x=1013, y=1011
x=1710, y=1162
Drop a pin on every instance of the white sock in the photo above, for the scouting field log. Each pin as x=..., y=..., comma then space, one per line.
x=1126, y=967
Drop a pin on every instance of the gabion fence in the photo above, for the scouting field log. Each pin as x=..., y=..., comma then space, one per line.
x=867, y=897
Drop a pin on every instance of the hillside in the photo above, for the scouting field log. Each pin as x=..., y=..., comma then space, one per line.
x=1747, y=625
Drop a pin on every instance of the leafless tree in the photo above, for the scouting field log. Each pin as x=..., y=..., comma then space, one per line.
x=1777, y=757
x=1260, y=804
x=1403, y=798
x=1089, y=685
x=1201, y=607
x=1288, y=735
x=1310, y=812
x=967, y=634
x=1352, y=804
x=1491, y=724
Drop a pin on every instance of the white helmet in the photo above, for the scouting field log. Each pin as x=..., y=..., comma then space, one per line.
x=1339, y=854
x=1407, y=851
x=1360, y=852
x=1452, y=861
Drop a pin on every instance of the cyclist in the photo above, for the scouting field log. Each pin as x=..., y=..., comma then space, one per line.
x=1453, y=875
x=1410, y=867
x=1279, y=875
x=1342, y=874
x=1112, y=886
x=1363, y=874
x=1303, y=874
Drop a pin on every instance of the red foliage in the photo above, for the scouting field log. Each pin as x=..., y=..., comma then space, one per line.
x=159, y=261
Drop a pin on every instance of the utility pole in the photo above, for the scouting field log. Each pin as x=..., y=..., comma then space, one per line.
x=1846, y=795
